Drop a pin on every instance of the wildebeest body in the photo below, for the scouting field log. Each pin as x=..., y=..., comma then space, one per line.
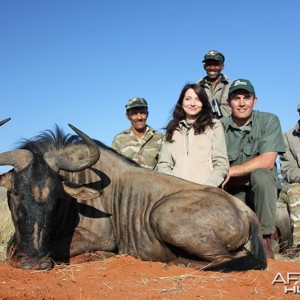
x=139, y=212
x=143, y=212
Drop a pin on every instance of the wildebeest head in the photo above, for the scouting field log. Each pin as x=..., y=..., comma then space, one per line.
x=34, y=187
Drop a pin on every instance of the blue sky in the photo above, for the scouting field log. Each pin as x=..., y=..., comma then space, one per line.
x=79, y=61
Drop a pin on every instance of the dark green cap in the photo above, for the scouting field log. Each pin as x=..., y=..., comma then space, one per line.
x=215, y=55
x=241, y=84
x=136, y=102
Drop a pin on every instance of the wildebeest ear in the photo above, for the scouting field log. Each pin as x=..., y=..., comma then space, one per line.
x=5, y=180
x=80, y=192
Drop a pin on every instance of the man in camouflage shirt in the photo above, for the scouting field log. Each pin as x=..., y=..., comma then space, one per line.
x=290, y=168
x=140, y=142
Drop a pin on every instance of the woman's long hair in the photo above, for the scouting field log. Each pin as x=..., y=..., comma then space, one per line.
x=204, y=119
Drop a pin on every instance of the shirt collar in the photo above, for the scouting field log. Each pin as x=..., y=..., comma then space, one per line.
x=183, y=123
x=297, y=128
x=245, y=128
x=222, y=78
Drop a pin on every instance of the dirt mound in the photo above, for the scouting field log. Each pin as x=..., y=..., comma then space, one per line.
x=124, y=277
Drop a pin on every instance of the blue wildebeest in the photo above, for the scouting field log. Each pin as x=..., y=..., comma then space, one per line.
x=71, y=195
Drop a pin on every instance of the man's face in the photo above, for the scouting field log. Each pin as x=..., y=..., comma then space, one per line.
x=138, y=117
x=213, y=68
x=241, y=103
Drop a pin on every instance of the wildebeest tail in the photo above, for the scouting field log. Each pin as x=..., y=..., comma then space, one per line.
x=257, y=245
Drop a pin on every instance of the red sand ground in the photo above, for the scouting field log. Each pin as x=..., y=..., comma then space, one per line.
x=124, y=277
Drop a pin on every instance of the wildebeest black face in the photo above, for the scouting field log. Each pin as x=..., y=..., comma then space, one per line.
x=32, y=200
x=34, y=187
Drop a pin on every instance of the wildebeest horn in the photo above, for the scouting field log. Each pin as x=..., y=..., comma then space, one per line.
x=19, y=159
x=58, y=162
x=4, y=121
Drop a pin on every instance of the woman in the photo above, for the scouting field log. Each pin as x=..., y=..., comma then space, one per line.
x=194, y=147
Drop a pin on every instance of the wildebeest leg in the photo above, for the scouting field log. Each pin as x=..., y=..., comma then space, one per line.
x=91, y=256
x=185, y=262
x=199, y=229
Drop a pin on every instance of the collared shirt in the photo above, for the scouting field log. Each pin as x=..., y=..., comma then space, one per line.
x=218, y=92
x=144, y=151
x=263, y=134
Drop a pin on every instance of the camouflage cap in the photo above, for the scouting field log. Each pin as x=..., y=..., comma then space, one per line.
x=136, y=102
x=215, y=55
x=298, y=107
x=241, y=84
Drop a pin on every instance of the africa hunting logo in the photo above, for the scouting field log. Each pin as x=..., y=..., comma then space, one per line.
x=291, y=282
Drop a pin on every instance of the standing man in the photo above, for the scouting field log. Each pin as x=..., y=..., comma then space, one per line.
x=290, y=168
x=254, y=139
x=216, y=84
x=140, y=142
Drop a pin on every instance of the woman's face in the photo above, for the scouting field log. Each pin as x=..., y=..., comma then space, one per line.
x=191, y=104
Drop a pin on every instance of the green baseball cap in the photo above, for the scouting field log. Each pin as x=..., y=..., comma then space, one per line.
x=241, y=84
x=215, y=55
x=136, y=102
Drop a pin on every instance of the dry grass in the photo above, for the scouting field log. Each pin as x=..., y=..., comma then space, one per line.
x=292, y=254
x=6, y=225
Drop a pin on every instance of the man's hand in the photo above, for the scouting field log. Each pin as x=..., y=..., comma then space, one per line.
x=239, y=175
x=236, y=177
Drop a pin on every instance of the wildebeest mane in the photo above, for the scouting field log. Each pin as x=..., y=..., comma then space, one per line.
x=48, y=140
x=54, y=140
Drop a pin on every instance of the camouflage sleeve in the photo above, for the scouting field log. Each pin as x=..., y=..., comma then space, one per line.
x=165, y=162
x=115, y=144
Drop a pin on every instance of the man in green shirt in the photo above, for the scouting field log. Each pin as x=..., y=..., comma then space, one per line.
x=140, y=142
x=253, y=139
